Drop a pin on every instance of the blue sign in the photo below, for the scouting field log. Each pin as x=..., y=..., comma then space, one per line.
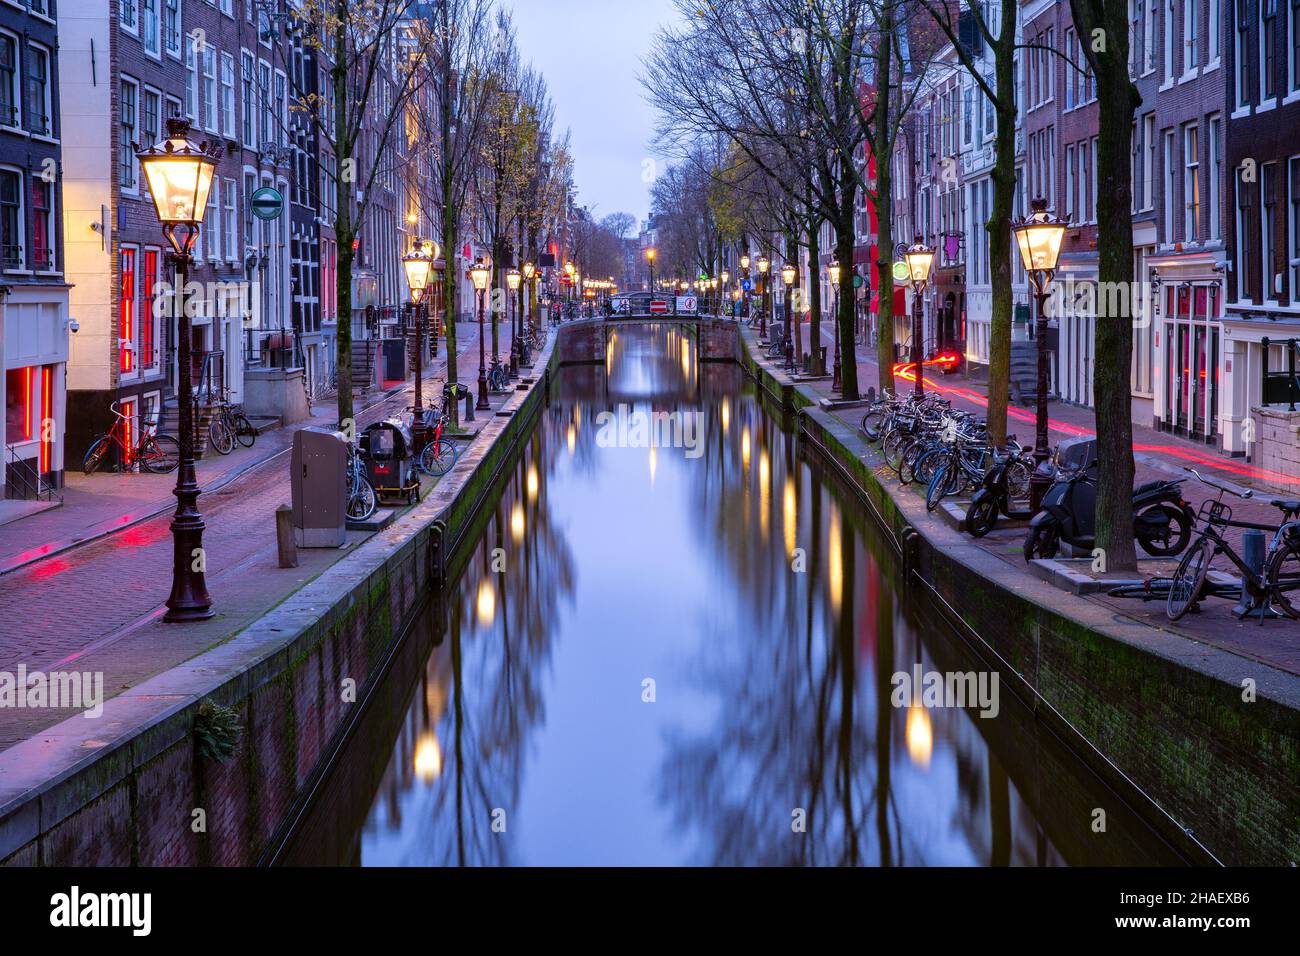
x=748, y=285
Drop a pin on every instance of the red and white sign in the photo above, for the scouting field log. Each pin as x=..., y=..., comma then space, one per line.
x=658, y=307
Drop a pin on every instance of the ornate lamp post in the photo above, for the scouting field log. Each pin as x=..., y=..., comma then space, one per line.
x=1039, y=236
x=919, y=257
x=418, y=265
x=530, y=275
x=569, y=270
x=788, y=275
x=763, y=265
x=833, y=273
x=650, y=255
x=514, y=279
x=744, y=267
x=479, y=275
x=179, y=173
x=725, y=287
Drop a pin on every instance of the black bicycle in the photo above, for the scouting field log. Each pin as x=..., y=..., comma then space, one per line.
x=1268, y=588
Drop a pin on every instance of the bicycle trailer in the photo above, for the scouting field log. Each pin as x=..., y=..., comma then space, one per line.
x=389, y=456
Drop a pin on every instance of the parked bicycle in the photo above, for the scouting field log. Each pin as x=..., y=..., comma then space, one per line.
x=229, y=425
x=498, y=375
x=158, y=454
x=362, y=500
x=1268, y=589
x=438, y=455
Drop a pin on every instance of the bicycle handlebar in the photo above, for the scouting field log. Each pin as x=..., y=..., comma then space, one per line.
x=1237, y=490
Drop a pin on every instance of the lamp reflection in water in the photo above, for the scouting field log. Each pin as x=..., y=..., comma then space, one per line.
x=726, y=416
x=428, y=758
x=517, y=522
x=572, y=437
x=920, y=735
x=764, y=492
x=486, y=604
x=791, y=517
x=744, y=447
x=835, y=561
x=654, y=464
x=533, y=482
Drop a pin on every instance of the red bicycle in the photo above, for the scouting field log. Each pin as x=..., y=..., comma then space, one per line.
x=159, y=454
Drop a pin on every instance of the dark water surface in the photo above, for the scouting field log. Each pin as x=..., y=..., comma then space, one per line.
x=521, y=733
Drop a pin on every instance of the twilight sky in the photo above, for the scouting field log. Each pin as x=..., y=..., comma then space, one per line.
x=590, y=52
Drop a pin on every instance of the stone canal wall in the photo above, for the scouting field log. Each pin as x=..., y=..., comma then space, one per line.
x=1147, y=709
x=131, y=787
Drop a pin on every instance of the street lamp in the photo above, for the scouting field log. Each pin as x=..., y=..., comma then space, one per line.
x=1039, y=236
x=788, y=275
x=919, y=257
x=514, y=280
x=650, y=258
x=479, y=275
x=418, y=265
x=833, y=273
x=763, y=265
x=530, y=273
x=179, y=173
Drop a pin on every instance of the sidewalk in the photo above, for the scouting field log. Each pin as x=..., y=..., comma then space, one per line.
x=1157, y=456
x=98, y=606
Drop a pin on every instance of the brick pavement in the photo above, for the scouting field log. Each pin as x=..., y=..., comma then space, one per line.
x=98, y=606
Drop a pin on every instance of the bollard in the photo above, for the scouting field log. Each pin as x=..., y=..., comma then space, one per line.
x=469, y=405
x=284, y=537
x=1253, y=545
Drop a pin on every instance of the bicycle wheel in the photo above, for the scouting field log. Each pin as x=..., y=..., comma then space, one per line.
x=159, y=454
x=871, y=424
x=245, y=431
x=1283, y=575
x=937, y=490
x=907, y=467
x=95, y=455
x=362, y=502
x=1018, y=475
x=1189, y=579
x=982, y=517
x=438, y=458
x=221, y=436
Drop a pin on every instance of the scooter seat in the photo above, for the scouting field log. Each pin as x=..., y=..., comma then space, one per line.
x=1288, y=505
x=1149, y=486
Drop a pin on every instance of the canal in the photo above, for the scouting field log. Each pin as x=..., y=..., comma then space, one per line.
x=679, y=639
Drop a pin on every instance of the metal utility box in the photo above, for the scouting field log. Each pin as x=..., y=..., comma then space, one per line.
x=319, y=482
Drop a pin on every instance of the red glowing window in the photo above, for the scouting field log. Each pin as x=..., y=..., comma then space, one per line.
x=47, y=416
x=127, y=312
x=18, y=405
x=148, y=358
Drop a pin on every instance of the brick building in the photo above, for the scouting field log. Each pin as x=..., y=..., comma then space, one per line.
x=34, y=325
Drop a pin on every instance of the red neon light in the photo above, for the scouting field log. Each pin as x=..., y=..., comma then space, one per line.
x=128, y=410
x=27, y=403
x=47, y=417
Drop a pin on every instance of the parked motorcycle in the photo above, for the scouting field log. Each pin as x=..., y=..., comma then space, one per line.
x=1007, y=480
x=1162, y=518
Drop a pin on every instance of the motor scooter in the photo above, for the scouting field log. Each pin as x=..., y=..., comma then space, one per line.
x=1162, y=518
x=1006, y=480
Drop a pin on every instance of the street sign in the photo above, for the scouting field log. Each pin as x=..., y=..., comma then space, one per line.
x=901, y=272
x=748, y=285
x=658, y=307
x=857, y=281
x=267, y=203
x=686, y=303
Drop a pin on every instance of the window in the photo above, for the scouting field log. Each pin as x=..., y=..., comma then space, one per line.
x=1216, y=170
x=42, y=225
x=11, y=219
x=281, y=102
x=147, y=354
x=1191, y=184
x=130, y=134
x=1149, y=33
x=1148, y=161
x=1191, y=50
x=1169, y=41
x=212, y=218
x=228, y=221
x=126, y=311
x=227, y=95
x=1071, y=208
x=9, y=98
x=210, y=87
x=1294, y=231
x=249, y=100
x=1293, y=49
x=1091, y=179
x=264, y=103
x=150, y=117
x=1213, y=33
x=1169, y=183
x=129, y=14
x=150, y=26
x=36, y=97
x=1245, y=268
x=1268, y=228
x=18, y=405
x=191, y=79
x=1268, y=49
x=966, y=115
x=1071, y=73
x=1241, y=53
x=1135, y=39
x=172, y=26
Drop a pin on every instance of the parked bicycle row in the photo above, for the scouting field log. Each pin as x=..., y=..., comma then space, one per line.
x=947, y=451
x=129, y=443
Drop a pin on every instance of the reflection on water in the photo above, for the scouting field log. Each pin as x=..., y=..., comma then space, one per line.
x=659, y=656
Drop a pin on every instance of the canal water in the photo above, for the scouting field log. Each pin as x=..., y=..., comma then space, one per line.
x=680, y=640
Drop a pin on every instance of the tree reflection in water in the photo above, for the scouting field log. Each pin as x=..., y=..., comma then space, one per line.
x=754, y=591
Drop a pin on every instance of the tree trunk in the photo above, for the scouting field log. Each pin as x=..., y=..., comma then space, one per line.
x=815, y=292
x=882, y=150
x=344, y=228
x=1117, y=102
